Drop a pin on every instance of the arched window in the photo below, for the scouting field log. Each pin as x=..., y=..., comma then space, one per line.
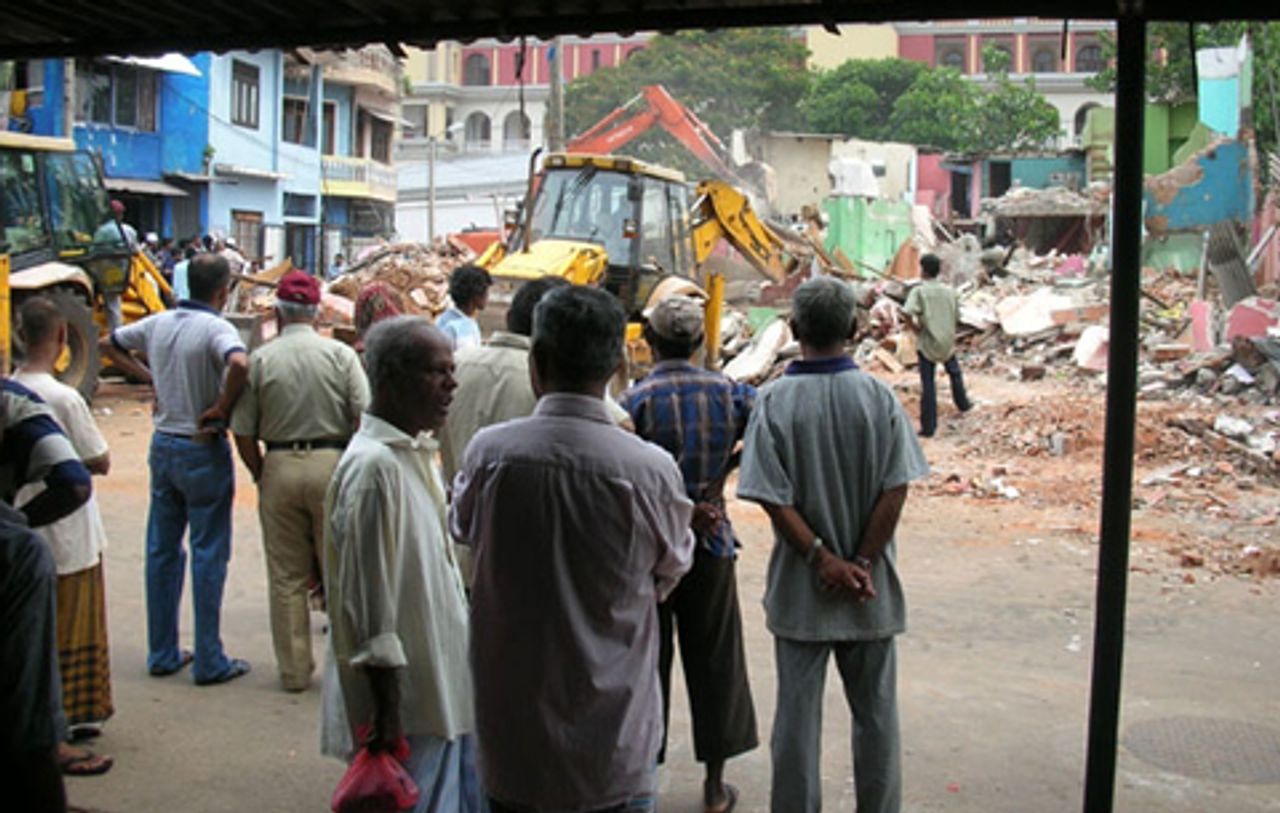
x=1044, y=60
x=952, y=57
x=478, y=131
x=1082, y=116
x=1004, y=57
x=1089, y=59
x=476, y=70
x=515, y=131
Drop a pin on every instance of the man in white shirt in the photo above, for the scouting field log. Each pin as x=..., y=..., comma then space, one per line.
x=397, y=607
x=76, y=541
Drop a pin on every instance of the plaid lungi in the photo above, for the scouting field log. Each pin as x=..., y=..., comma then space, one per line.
x=82, y=646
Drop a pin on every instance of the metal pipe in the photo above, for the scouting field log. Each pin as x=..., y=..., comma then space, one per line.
x=1122, y=378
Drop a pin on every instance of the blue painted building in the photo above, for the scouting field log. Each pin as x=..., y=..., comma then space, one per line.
x=288, y=154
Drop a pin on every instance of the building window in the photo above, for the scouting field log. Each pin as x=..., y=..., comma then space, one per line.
x=478, y=133
x=119, y=95
x=1044, y=59
x=296, y=126
x=299, y=205
x=595, y=59
x=246, y=227
x=244, y=94
x=329, y=141
x=1089, y=58
x=476, y=71
x=515, y=131
x=950, y=54
x=380, y=141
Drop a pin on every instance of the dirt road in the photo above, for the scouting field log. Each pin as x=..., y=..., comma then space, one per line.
x=993, y=673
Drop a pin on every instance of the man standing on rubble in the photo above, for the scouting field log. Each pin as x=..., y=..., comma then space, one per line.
x=469, y=291
x=303, y=402
x=932, y=311
x=698, y=416
x=828, y=455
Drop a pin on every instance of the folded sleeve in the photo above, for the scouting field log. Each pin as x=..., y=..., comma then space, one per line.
x=367, y=562
x=83, y=431
x=135, y=336
x=224, y=341
x=665, y=514
x=904, y=460
x=764, y=476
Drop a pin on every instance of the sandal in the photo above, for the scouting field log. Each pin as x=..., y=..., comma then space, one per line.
x=236, y=667
x=730, y=801
x=184, y=659
x=84, y=763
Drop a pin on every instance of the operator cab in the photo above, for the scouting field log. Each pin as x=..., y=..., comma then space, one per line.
x=637, y=213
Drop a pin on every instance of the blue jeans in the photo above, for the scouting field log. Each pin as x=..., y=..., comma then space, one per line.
x=191, y=484
x=929, y=393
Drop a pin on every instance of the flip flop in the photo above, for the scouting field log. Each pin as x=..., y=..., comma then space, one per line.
x=236, y=668
x=184, y=659
x=730, y=801
x=86, y=764
x=84, y=731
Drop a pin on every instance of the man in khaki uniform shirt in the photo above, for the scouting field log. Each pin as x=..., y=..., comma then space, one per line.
x=303, y=402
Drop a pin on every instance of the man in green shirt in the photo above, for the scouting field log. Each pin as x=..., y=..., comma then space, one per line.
x=932, y=311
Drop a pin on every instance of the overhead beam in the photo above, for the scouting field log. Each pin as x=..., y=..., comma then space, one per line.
x=435, y=21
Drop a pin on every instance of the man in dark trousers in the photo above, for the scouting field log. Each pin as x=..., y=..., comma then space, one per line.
x=933, y=310
x=698, y=416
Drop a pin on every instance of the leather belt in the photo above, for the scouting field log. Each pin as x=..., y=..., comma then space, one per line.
x=304, y=445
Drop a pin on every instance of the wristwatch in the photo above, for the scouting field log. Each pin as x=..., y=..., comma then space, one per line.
x=813, y=550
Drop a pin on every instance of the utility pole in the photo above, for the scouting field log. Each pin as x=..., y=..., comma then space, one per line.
x=555, y=136
x=431, y=189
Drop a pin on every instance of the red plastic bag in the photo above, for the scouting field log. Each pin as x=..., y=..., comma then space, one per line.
x=376, y=782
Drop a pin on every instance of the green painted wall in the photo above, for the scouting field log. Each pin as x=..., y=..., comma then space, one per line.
x=868, y=231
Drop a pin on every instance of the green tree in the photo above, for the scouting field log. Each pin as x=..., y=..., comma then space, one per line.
x=1013, y=117
x=857, y=97
x=738, y=78
x=940, y=109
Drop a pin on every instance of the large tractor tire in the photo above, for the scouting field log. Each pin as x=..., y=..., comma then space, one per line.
x=79, y=364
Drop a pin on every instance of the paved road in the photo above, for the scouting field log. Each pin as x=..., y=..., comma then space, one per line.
x=993, y=674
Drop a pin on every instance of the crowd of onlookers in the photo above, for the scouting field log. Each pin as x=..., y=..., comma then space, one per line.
x=509, y=548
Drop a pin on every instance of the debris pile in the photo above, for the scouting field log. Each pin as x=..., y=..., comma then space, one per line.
x=418, y=271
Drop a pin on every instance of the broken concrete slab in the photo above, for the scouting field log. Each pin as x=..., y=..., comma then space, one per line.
x=1170, y=352
x=1251, y=317
x=1085, y=313
x=1025, y=315
x=1091, y=350
x=1202, y=330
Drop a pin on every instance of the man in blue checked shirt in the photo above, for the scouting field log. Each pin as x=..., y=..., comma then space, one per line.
x=699, y=416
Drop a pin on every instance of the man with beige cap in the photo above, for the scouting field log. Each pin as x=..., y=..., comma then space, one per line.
x=699, y=416
x=303, y=402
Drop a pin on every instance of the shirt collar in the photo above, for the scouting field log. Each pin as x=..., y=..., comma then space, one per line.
x=572, y=405
x=195, y=305
x=501, y=338
x=376, y=429
x=672, y=365
x=297, y=327
x=824, y=366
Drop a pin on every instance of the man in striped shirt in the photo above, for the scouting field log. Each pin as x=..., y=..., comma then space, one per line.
x=698, y=416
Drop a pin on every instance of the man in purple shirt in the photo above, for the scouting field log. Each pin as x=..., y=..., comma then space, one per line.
x=578, y=529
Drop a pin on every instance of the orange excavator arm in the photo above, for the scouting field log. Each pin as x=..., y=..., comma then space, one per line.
x=657, y=106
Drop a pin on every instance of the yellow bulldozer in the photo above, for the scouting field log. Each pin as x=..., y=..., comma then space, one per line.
x=634, y=229
x=55, y=241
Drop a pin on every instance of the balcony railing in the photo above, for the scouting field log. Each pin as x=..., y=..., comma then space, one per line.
x=371, y=65
x=349, y=177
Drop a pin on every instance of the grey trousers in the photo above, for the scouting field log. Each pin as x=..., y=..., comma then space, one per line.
x=868, y=670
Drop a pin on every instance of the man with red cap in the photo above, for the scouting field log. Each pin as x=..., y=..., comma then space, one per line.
x=303, y=402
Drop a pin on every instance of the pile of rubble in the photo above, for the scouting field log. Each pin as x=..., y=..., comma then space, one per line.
x=419, y=272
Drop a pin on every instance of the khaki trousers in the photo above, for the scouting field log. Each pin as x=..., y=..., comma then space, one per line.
x=291, y=508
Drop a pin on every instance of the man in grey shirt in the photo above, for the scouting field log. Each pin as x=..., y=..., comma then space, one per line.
x=579, y=529
x=198, y=366
x=828, y=454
